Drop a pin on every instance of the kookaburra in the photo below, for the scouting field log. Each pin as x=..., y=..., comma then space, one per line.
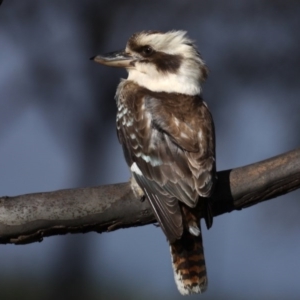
x=167, y=135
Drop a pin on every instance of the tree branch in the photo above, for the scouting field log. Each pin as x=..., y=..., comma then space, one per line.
x=29, y=218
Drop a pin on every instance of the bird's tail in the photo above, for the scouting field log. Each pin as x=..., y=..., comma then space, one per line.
x=188, y=262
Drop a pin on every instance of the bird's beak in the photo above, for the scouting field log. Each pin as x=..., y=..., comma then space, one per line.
x=119, y=59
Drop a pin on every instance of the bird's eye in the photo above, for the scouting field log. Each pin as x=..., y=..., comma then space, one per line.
x=147, y=50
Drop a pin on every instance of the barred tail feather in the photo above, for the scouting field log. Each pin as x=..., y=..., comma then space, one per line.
x=189, y=264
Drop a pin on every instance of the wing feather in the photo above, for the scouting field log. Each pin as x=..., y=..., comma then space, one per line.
x=166, y=209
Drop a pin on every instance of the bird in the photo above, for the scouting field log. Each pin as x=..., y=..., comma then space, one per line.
x=168, y=138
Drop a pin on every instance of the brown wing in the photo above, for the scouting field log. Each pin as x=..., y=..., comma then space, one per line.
x=188, y=131
x=165, y=208
x=171, y=152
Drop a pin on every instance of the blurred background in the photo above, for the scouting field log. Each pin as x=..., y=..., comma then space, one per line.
x=57, y=130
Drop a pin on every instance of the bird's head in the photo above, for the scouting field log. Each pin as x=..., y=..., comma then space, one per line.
x=160, y=62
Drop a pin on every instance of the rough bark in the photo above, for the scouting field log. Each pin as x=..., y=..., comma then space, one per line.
x=29, y=218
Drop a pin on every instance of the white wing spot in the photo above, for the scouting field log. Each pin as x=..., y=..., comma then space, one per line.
x=146, y=158
x=184, y=135
x=194, y=230
x=200, y=135
x=134, y=168
x=152, y=160
x=129, y=122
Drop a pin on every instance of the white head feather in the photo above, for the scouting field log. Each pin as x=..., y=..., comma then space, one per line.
x=186, y=80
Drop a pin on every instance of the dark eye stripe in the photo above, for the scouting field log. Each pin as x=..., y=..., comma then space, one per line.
x=166, y=62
